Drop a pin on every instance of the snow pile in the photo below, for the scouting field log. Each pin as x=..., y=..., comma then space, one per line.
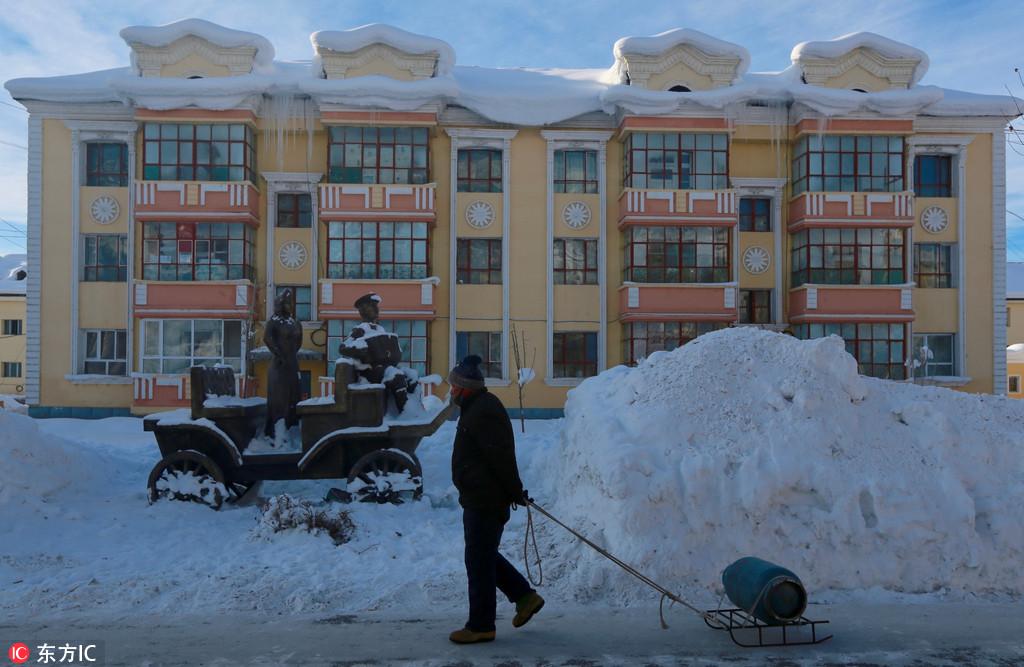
x=348, y=41
x=43, y=476
x=746, y=442
x=13, y=403
x=218, y=35
x=283, y=512
x=840, y=46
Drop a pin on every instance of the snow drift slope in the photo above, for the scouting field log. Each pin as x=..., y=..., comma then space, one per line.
x=746, y=442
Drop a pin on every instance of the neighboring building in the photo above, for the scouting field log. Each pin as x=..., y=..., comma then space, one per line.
x=13, y=274
x=1014, y=329
x=603, y=214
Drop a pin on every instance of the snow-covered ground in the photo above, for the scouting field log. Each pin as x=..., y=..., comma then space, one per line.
x=744, y=442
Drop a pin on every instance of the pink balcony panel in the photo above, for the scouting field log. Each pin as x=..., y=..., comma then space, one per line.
x=677, y=207
x=882, y=303
x=156, y=390
x=677, y=302
x=888, y=209
x=220, y=300
x=196, y=201
x=400, y=299
x=352, y=201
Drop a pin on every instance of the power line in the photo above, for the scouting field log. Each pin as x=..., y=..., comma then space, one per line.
x=7, y=143
x=13, y=106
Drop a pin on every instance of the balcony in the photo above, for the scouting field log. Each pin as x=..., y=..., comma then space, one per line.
x=851, y=303
x=703, y=207
x=157, y=391
x=677, y=301
x=875, y=209
x=353, y=201
x=401, y=299
x=223, y=299
x=196, y=201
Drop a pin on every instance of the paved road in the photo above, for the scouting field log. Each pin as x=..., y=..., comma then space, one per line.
x=905, y=634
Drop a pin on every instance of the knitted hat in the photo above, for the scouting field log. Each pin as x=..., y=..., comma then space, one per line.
x=467, y=374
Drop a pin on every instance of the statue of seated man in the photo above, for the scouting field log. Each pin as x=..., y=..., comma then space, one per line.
x=375, y=353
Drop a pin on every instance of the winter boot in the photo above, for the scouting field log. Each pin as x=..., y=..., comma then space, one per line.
x=467, y=636
x=526, y=607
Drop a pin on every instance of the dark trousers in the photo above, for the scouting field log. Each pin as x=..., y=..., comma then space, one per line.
x=487, y=569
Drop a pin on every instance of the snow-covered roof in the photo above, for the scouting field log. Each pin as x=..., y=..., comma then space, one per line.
x=656, y=45
x=347, y=41
x=840, y=46
x=1015, y=280
x=13, y=273
x=218, y=35
x=518, y=96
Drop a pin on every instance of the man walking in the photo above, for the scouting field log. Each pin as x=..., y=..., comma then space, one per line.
x=485, y=473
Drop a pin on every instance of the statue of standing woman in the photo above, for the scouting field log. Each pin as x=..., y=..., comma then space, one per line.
x=283, y=337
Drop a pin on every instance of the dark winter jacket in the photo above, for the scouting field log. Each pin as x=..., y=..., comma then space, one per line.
x=484, y=466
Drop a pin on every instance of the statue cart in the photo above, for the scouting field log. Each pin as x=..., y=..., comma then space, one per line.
x=207, y=458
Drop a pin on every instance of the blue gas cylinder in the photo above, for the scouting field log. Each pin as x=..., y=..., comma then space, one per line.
x=769, y=592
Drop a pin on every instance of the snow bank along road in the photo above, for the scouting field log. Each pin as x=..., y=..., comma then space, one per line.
x=742, y=442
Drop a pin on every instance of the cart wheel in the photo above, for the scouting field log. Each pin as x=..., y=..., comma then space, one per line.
x=188, y=475
x=386, y=476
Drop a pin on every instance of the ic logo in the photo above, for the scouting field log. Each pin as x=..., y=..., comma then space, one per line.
x=18, y=653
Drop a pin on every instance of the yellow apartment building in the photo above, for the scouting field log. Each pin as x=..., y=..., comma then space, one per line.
x=12, y=325
x=597, y=214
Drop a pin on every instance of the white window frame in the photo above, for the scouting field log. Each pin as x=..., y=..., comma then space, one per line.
x=11, y=364
x=922, y=371
x=85, y=333
x=12, y=329
x=143, y=357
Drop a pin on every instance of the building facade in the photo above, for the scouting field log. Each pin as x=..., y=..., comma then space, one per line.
x=591, y=216
x=13, y=274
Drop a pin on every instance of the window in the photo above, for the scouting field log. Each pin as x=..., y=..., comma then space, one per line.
x=933, y=264
x=677, y=254
x=106, y=352
x=478, y=262
x=412, y=338
x=643, y=338
x=174, y=346
x=575, y=354
x=1013, y=384
x=294, y=210
x=879, y=348
x=679, y=88
x=755, y=214
x=187, y=152
x=479, y=170
x=377, y=155
x=936, y=354
x=300, y=300
x=755, y=306
x=576, y=171
x=848, y=257
x=933, y=176
x=10, y=369
x=367, y=250
x=104, y=257
x=575, y=261
x=13, y=328
x=106, y=164
x=835, y=163
x=486, y=345
x=201, y=251
x=675, y=161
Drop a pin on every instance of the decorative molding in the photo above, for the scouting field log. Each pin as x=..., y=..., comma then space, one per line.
x=33, y=291
x=756, y=260
x=722, y=70
x=480, y=215
x=292, y=255
x=336, y=64
x=576, y=215
x=104, y=210
x=76, y=229
x=297, y=182
x=774, y=189
x=934, y=219
x=149, y=60
x=899, y=72
x=998, y=263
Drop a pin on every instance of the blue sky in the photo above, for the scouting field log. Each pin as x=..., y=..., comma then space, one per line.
x=972, y=45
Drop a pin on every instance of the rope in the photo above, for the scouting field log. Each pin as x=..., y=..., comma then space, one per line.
x=531, y=535
x=665, y=593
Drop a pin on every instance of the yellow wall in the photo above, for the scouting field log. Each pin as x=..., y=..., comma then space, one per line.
x=12, y=348
x=978, y=264
x=858, y=77
x=1015, y=322
x=194, y=64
